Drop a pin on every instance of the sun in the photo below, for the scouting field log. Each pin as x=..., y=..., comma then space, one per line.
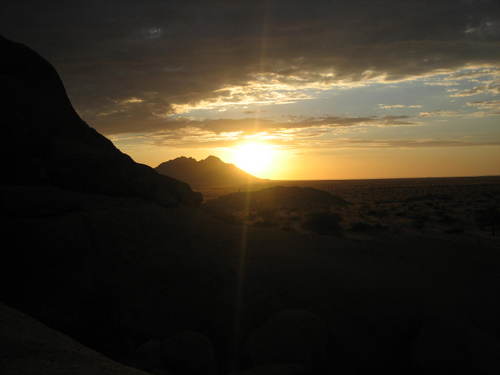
x=254, y=157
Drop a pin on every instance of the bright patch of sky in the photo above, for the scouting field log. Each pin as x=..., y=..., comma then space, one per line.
x=451, y=103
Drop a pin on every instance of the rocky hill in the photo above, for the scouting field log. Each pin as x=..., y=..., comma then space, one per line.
x=47, y=143
x=210, y=172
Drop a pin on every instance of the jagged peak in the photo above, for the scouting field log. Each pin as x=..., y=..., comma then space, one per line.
x=209, y=171
x=211, y=159
x=188, y=159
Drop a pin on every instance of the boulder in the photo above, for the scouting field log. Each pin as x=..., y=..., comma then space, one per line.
x=189, y=353
x=289, y=337
x=452, y=347
x=29, y=347
x=148, y=355
x=285, y=369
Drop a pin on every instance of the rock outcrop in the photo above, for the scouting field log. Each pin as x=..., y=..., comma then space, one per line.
x=47, y=143
x=289, y=337
x=29, y=347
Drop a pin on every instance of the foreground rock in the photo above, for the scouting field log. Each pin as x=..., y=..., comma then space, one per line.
x=289, y=337
x=274, y=370
x=186, y=353
x=444, y=346
x=29, y=347
x=189, y=353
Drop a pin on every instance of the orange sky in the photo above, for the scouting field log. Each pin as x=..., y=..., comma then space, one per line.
x=355, y=164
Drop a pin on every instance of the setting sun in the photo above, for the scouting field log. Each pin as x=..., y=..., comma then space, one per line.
x=254, y=157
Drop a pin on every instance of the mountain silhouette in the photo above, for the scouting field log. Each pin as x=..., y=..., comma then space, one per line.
x=211, y=171
x=47, y=143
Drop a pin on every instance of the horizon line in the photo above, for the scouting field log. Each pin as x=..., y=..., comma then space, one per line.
x=383, y=178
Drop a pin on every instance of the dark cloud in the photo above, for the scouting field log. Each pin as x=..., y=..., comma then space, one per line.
x=247, y=125
x=175, y=140
x=418, y=143
x=173, y=52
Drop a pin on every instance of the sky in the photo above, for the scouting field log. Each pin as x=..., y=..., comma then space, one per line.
x=321, y=89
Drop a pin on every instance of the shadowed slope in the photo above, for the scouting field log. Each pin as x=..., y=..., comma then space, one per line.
x=209, y=172
x=29, y=347
x=47, y=143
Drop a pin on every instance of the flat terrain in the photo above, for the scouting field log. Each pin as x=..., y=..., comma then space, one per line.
x=430, y=206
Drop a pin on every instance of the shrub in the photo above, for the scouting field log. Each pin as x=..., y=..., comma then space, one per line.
x=323, y=223
x=362, y=227
x=488, y=218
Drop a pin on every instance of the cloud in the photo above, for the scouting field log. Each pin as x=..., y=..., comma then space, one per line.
x=474, y=73
x=257, y=125
x=492, y=106
x=303, y=143
x=292, y=131
x=399, y=106
x=486, y=29
x=441, y=83
x=132, y=100
x=492, y=87
x=182, y=56
x=419, y=143
x=441, y=114
x=254, y=92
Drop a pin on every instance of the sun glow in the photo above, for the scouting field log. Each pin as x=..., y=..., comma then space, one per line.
x=255, y=158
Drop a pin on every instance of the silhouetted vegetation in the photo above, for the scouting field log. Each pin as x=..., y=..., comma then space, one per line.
x=323, y=223
x=454, y=206
x=363, y=227
x=488, y=218
x=288, y=208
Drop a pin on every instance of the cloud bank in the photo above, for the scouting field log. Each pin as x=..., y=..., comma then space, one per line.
x=128, y=65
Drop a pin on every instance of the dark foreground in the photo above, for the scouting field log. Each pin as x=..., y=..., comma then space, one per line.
x=126, y=276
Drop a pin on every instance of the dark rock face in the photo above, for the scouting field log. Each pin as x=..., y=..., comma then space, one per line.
x=47, y=143
x=208, y=172
x=189, y=353
x=186, y=353
x=444, y=346
x=149, y=355
x=29, y=347
x=285, y=369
